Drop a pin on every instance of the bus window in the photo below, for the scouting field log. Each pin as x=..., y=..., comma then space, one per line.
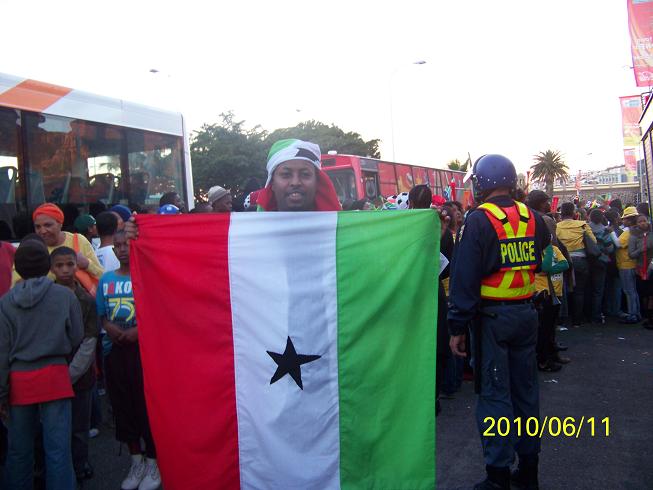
x=64, y=155
x=11, y=196
x=9, y=131
x=155, y=167
x=345, y=183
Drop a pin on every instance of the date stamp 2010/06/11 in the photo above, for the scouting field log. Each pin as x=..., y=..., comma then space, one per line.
x=552, y=426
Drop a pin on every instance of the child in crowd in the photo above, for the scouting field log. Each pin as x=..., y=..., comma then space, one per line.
x=124, y=374
x=82, y=365
x=613, y=283
x=85, y=224
x=548, y=285
x=107, y=225
x=626, y=266
x=40, y=327
x=122, y=213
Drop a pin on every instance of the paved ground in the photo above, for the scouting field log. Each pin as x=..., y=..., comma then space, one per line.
x=611, y=375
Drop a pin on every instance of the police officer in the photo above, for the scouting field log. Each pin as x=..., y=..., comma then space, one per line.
x=492, y=283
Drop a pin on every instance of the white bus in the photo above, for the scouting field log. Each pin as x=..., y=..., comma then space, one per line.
x=84, y=152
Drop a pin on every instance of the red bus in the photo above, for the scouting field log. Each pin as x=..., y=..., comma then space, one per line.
x=357, y=177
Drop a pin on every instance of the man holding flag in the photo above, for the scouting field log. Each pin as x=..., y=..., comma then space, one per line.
x=294, y=375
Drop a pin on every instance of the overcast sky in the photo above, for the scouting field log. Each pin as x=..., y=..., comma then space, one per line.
x=511, y=77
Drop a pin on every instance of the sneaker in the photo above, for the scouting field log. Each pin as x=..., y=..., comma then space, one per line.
x=152, y=479
x=93, y=433
x=135, y=475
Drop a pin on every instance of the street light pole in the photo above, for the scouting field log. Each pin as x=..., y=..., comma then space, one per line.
x=392, y=122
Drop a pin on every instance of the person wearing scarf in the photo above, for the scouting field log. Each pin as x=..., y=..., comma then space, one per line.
x=296, y=181
x=48, y=220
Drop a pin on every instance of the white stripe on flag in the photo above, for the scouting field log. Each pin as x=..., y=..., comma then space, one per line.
x=288, y=437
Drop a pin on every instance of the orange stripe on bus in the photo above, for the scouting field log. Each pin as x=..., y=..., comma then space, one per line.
x=32, y=95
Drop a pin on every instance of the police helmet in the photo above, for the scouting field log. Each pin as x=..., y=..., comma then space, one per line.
x=491, y=172
x=169, y=209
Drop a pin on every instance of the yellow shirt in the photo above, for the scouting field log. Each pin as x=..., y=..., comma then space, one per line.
x=541, y=283
x=571, y=233
x=94, y=267
x=623, y=259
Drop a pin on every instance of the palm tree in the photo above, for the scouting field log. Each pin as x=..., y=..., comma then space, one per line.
x=456, y=165
x=549, y=166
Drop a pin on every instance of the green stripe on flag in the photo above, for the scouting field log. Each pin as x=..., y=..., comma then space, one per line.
x=387, y=275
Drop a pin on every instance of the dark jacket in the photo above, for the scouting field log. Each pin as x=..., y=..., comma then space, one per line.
x=40, y=325
x=82, y=365
x=476, y=256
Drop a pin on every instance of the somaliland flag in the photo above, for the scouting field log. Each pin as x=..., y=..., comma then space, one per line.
x=290, y=350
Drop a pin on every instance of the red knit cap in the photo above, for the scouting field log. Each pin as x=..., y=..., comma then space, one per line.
x=51, y=210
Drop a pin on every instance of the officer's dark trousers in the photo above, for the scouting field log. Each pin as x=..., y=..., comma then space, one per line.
x=508, y=380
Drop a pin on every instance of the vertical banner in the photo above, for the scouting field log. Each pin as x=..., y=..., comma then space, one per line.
x=631, y=111
x=640, y=15
x=630, y=159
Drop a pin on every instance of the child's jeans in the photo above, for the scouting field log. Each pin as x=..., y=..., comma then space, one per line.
x=629, y=286
x=57, y=426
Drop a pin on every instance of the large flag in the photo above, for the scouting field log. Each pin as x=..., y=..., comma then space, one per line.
x=290, y=350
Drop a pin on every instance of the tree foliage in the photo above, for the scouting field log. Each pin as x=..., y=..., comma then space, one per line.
x=329, y=138
x=227, y=154
x=230, y=155
x=549, y=165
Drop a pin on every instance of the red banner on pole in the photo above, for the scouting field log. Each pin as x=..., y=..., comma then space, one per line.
x=630, y=160
x=631, y=111
x=640, y=25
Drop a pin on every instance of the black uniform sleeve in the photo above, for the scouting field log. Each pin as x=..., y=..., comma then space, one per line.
x=471, y=262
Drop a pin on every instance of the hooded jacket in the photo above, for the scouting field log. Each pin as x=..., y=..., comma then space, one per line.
x=603, y=240
x=40, y=326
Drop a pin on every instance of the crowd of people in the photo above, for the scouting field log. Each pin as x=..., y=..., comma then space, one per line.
x=598, y=268
x=68, y=325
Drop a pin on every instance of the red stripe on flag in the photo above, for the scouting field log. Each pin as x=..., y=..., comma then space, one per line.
x=186, y=341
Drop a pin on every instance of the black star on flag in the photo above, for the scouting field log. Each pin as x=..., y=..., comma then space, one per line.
x=289, y=363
